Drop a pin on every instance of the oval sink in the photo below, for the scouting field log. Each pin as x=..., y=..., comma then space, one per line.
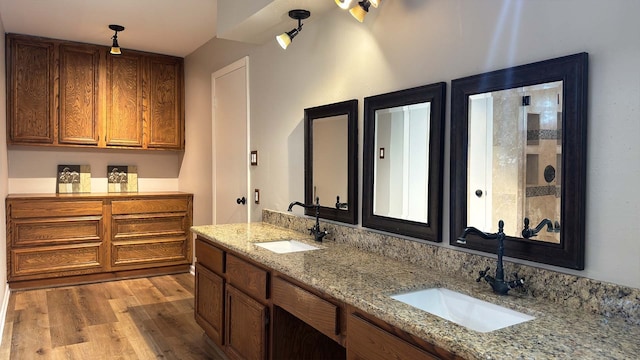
x=286, y=246
x=472, y=313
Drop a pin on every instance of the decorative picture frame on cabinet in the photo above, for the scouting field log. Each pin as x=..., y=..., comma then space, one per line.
x=73, y=179
x=122, y=178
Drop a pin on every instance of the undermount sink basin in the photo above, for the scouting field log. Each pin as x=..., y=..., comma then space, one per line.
x=286, y=246
x=462, y=309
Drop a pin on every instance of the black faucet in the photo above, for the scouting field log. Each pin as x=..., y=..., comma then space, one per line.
x=527, y=232
x=315, y=230
x=340, y=205
x=498, y=284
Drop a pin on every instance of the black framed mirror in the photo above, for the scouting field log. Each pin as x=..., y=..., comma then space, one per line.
x=403, y=166
x=518, y=154
x=331, y=161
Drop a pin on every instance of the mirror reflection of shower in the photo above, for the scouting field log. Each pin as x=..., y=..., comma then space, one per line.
x=515, y=153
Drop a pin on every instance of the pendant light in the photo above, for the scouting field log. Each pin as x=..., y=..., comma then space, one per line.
x=115, y=48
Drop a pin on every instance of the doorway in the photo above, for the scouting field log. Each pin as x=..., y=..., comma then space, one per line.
x=230, y=124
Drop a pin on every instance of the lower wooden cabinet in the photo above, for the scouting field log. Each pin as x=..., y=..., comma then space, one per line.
x=246, y=326
x=73, y=238
x=209, y=303
x=254, y=312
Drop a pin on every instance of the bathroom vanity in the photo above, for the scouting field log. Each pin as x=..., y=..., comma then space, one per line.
x=335, y=302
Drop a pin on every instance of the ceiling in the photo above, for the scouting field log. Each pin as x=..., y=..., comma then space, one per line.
x=161, y=26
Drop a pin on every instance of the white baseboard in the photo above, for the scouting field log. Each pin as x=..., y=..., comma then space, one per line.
x=3, y=310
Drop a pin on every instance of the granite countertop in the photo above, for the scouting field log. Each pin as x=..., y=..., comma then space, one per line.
x=366, y=280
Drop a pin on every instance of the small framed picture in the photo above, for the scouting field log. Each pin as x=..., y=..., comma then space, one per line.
x=122, y=178
x=73, y=179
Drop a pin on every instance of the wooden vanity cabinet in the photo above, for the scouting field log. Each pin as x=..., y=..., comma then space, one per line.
x=209, y=290
x=74, y=238
x=63, y=93
x=231, y=302
x=269, y=315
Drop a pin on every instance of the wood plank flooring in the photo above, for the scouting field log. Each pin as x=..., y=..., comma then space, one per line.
x=146, y=318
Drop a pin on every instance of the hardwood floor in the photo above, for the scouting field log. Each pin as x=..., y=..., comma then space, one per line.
x=146, y=318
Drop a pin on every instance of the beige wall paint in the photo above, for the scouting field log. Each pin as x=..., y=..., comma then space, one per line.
x=3, y=174
x=409, y=43
x=196, y=167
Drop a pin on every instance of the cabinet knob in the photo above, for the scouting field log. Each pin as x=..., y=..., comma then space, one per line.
x=479, y=193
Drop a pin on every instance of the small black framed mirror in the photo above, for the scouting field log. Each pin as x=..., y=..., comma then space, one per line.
x=518, y=154
x=403, y=167
x=331, y=161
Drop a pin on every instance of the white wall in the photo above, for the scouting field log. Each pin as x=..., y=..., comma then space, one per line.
x=407, y=43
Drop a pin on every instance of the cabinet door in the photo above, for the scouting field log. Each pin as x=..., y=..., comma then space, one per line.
x=79, y=80
x=209, y=303
x=165, y=103
x=31, y=100
x=124, y=100
x=246, y=326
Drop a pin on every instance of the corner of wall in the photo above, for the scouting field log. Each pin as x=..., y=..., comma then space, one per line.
x=4, y=178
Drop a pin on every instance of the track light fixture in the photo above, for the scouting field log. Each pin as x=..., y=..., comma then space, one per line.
x=359, y=11
x=285, y=39
x=115, y=48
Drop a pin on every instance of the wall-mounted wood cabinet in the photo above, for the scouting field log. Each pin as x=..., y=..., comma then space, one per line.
x=63, y=93
x=66, y=239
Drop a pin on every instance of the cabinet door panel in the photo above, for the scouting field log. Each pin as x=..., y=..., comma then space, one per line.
x=31, y=101
x=79, y=77
x=124, y=100
x=246, y=326
x=209, y=306
x=165, y=112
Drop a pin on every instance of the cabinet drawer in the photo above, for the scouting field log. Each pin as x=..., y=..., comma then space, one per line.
x=56, y=259
x=367, y=341
x=247, y=277
x=210, y=256
x=149, y=253
x=308, y=307
x=20, y=209
x=148, y=226
x=142, y=206
x=35, y=232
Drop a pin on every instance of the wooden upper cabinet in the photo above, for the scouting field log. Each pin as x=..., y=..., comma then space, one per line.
x=165, y=96
x=124, y=100
x=31, y=96
x=79, y=100
x=63, y=93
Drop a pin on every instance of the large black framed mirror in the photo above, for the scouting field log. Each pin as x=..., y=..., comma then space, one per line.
x=518, y=154
x=331, y=161
x=403, y=166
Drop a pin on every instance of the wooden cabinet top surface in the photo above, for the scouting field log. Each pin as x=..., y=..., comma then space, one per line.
x=47, y=196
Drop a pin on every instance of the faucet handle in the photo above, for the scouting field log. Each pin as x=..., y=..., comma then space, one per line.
x=482, y=273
